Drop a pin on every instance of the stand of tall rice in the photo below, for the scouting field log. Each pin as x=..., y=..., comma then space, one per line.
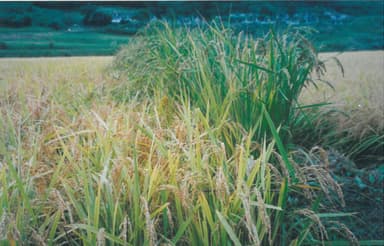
x=189, y=149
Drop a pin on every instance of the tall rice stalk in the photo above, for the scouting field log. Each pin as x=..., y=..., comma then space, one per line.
x=229, y=77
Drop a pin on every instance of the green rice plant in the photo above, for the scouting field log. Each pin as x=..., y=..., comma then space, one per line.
x=240, y=85
x=119, y=175
x=18, y=204
x=229, y=77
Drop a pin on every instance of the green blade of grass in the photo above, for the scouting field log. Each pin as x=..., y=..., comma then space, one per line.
x=95, y=231
x=280, y=146
x=228, y=229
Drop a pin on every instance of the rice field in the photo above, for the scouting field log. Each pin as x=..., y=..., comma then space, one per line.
x=94, y=155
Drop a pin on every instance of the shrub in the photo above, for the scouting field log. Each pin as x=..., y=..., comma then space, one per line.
x=3, y=46
x=56, y=25
x=16, y=21
x=97, y=18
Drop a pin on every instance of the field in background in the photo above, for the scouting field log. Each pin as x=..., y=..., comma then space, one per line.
x=361, y=88
x=49, y=71
x=358, y=95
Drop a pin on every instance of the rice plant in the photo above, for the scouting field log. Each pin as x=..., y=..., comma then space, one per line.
x=121, y=176
x=229, y=77
x=192, y=154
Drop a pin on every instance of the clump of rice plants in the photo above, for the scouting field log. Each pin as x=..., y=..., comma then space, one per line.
x=117, y=174
x=228, y=76
x=174, y=162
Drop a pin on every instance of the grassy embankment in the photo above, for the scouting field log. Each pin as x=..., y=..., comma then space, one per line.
x=87, y=158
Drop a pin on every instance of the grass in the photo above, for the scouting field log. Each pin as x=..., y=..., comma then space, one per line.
x=84, y=160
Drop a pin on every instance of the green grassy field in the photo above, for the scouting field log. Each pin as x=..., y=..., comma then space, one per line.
x=37, y=42
x=145, y=149
x=30, y=29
